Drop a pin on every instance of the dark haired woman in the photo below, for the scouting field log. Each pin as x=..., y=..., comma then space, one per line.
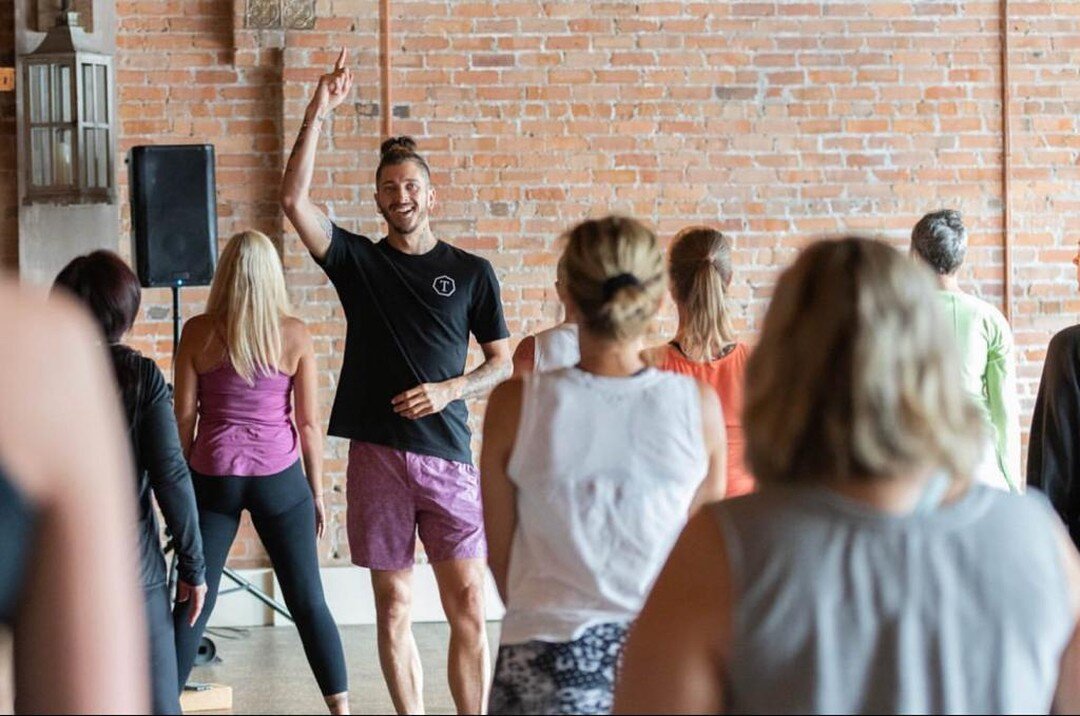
x=107, y=286
x=411, y=303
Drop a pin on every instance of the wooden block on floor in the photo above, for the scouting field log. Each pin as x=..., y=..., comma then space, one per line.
x=216, y=698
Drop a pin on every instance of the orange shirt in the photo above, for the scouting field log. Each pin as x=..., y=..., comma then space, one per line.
x=725, y=375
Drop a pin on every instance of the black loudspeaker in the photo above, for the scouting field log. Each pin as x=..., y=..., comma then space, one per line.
x=173, y=214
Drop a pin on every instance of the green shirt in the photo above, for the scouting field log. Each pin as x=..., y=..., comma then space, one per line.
x=988, y=367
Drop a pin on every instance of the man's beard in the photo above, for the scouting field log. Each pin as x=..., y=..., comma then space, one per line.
x=405, y=225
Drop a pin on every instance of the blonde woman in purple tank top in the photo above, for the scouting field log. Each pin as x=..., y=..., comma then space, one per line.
x=247, y=409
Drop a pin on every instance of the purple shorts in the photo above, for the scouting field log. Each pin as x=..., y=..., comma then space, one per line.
x=392, y=494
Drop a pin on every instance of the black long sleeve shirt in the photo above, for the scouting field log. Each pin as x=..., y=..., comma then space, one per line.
x=1054, y=448
x=160, y=469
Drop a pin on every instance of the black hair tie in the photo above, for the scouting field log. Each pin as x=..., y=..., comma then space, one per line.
x=615, y=283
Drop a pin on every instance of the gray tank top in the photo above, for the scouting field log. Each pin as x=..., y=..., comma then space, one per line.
x=840, y=608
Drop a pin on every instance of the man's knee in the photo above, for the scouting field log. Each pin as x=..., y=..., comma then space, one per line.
x=464, y=605
x=393, y=602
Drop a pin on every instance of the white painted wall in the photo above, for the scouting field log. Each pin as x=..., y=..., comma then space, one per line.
x=348, y=593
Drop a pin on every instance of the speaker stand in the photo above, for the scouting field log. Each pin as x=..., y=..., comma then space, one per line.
x=175, y=318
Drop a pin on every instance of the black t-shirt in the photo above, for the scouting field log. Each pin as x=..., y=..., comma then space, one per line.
x=408, y=322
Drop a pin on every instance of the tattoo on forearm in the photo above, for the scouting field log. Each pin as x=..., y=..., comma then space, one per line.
x=295, y=148
x=484, y=379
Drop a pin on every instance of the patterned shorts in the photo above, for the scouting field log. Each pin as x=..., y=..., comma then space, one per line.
x=576, y=677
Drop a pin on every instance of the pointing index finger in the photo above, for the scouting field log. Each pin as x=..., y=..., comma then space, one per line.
x=340, y=64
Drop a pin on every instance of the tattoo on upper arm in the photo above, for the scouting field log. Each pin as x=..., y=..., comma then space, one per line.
x=326, y=226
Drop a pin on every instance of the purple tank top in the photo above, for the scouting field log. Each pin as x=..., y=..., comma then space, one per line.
x=244, y=429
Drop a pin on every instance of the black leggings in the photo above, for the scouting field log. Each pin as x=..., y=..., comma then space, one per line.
x=284, y=516
x=164, y=696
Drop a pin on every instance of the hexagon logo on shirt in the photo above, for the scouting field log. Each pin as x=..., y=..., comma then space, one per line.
x=444, y=286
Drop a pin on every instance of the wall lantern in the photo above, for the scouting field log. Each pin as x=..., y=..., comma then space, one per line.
x=68, y=111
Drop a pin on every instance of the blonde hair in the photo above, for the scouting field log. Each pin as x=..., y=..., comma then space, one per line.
x=614, y=272
x=856, y=376
x=248, y=300
x=700, y=270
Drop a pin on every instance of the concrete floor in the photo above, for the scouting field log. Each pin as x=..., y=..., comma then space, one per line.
x=268, y=673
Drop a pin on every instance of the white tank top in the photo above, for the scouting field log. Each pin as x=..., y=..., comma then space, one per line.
x=605, y=470
x=556, y=347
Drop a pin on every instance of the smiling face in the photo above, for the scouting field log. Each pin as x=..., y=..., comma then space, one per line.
x=404, y=196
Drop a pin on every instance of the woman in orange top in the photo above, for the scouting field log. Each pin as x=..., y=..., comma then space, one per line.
x=704, y=346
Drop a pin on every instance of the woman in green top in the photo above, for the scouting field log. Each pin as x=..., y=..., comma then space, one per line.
x=984, y=339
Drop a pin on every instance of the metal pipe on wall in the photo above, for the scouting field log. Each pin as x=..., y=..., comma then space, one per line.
x=384, y=66
x=1006, y=161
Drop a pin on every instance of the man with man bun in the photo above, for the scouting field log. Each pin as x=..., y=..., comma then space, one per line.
x=410, y=303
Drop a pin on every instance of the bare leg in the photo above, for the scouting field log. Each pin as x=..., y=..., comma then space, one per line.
x=461, y=588
x=338, y=703
x=398, y=655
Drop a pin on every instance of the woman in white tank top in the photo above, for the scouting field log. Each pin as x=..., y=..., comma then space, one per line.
x=588, y=475
x=552, y=348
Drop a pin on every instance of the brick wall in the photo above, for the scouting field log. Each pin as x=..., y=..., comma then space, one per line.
x=777, y=121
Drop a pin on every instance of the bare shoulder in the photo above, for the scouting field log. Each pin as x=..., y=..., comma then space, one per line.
x=198, y=327
x=294, y=329
x=654, y=355
x=295, y=335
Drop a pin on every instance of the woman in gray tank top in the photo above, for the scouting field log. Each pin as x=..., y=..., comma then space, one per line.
x=869, y=574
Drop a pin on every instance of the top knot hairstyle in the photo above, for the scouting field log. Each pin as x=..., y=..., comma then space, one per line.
x=398, y=150
x=940, y=240
x=614, y=272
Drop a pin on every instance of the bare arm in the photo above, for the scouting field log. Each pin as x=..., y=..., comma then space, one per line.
x=80, y=640
x=311, y=223
x=1067, y=695
x=714, y=485
x=430, y=398
x=495, y=369
x=497, y=491
x=674, y=659
x=525, y=356
x=186, y=383
x=308, y=421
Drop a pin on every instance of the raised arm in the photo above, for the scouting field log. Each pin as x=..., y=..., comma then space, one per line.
x=311, y=223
